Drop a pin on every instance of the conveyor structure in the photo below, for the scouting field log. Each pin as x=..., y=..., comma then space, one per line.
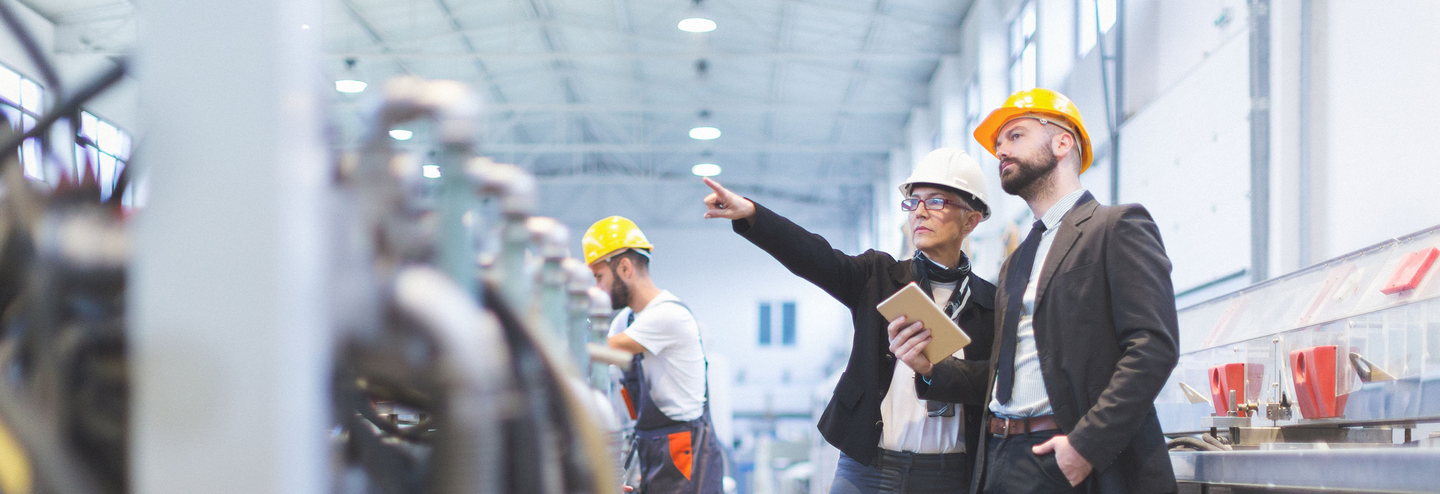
x=1319, y=379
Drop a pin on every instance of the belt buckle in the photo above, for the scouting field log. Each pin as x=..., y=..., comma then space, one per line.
x=1007, y=429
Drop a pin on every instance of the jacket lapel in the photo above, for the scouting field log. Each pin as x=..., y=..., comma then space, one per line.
x=1065, y=238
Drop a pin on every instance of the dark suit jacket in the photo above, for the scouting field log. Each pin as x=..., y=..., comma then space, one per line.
x=1106, y=331
x=851, y=421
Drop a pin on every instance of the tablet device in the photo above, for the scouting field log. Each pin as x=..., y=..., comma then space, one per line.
x=910, y=301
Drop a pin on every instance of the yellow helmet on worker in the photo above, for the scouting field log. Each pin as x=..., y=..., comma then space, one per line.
x=612, y=236
x=1041, y=104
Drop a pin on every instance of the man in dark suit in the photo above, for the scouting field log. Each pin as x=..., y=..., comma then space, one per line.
x=1086, y=325
x=890, y=440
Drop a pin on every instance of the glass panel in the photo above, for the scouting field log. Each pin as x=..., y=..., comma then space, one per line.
x=972, y=102
x=1017, y=38
x=31, y=97
x=1027, y=67
x=1107, y=15
x=107, y=176
x=764, y=324
x=787, y=324
x=30, y=157
x=1027, y=21
x=79, y=161
x=88, y=123
x=109, y=139
x=9, y=85
x=27, y=122
x=1085, y=26
x=125, y=143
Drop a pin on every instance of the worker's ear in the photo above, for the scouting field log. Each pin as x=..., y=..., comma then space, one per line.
x=1062, y=144
x=624, y=267
x=973, y=221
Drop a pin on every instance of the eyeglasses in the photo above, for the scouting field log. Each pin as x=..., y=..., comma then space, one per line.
x=932, y=204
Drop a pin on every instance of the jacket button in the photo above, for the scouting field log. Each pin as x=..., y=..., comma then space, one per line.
x=890, y=357
x=879, y=424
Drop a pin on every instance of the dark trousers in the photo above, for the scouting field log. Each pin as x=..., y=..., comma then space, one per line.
x=1011, y=468
x=682, y=458
x=903, y=473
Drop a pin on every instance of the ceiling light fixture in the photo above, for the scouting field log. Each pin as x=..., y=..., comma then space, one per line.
x=430, y=171
x=696, y=20
x=705, y=169
x=401, y=134
x=704, y=133
x=350, y=84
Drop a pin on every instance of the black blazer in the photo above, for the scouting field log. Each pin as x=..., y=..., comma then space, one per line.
x=851, y=421
x=1107, y=334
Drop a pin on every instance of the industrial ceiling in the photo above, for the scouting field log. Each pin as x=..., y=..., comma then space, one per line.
x=597, y=97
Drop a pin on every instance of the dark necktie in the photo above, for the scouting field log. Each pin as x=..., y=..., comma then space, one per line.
x=1015, y=283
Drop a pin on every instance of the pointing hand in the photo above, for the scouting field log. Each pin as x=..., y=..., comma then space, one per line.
x=725, y=204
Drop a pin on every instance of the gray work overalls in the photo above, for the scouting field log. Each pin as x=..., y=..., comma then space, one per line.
x=675, y=456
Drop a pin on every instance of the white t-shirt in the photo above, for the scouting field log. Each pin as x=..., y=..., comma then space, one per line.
x=908, y=424
x=674, y=361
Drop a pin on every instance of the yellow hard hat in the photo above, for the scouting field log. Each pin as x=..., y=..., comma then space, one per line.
x=612, y=235
x=1041, y=104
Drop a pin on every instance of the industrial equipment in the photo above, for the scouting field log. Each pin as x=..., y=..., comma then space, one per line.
x=1317, y=379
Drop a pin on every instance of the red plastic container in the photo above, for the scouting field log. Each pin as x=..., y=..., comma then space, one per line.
x=1313, y=370
x=1225, y=378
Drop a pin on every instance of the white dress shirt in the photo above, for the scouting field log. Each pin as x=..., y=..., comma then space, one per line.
x=1028, y=398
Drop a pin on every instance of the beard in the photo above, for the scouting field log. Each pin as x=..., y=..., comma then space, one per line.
x=619, y=294
x=1030, y=174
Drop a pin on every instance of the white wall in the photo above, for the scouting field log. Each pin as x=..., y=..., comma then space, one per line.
x=1185, y=143
x=1373, y=139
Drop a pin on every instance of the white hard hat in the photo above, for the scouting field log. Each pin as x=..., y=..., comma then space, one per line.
x=952, y=168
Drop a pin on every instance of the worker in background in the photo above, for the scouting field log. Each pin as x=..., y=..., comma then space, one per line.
x=890, y=440
x=665, y=387
x=1088, y=331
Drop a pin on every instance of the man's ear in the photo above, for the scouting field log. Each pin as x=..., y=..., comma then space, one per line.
x=623, y=267
x=1063, y=141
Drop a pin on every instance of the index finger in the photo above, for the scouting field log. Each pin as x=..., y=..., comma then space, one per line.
x=719, y=191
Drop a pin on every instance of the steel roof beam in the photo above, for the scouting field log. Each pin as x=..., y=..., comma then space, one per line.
x=499, y=148
x=685, y=55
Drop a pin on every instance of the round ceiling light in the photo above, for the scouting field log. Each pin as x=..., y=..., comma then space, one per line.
x=349, y=86
x=704, y=133
x=401, y=134
x=696, y=25
x=705, y=169
x=430, y=171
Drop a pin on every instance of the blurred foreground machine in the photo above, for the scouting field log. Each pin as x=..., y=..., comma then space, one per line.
x=63, y=374
x=1314, y=380
x=466, y=378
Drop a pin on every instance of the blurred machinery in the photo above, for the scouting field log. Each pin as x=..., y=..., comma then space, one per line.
x=451, y=375
x=469, y=379
x=1314, y=380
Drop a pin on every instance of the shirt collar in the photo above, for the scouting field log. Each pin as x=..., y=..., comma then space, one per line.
x=1057, y=212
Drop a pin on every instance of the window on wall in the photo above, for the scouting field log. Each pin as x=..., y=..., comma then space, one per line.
x=22, y=100
x=1024, y=62
x=764, y=323
x=1085, y=12
x=102, y=151
x=787, y=323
